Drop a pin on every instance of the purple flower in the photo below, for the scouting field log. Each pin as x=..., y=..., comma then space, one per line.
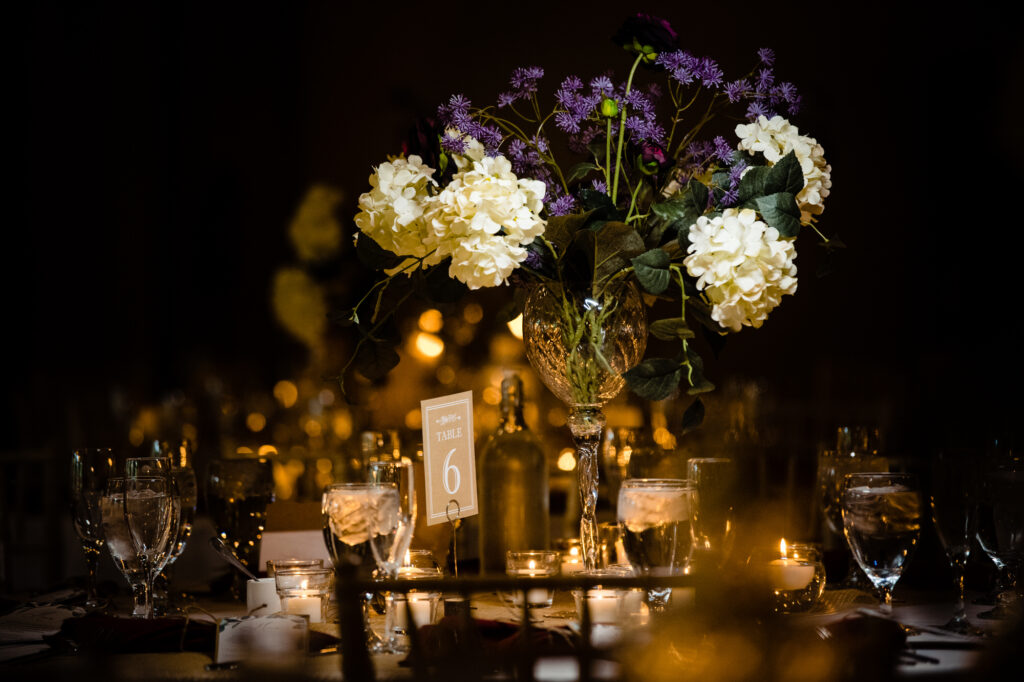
x=766, y=55
x=794, y=105
x=730, y=197
x=736, y=172
x=602, y=85
x=709, y=72
x=453, y=145
x=645, y=128
x=455, y=112
x=757, y=108
x=735, y=90
x=506, y=98
x=723, y=150
x=765, y=79
x=563, y=205
x=565, y=121
x=786, y=91
x=600, y=186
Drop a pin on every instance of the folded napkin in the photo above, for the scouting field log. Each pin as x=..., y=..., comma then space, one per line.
x=490, y=640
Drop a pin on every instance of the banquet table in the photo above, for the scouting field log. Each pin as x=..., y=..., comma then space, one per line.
x=934, y=654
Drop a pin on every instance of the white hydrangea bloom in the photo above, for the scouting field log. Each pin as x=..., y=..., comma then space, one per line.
x=777, y=137
x=392, y=212
x=474, y=149
x=742, y=264
x=483, y=218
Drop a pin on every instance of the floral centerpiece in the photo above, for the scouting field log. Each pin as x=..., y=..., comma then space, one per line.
x=598, y=202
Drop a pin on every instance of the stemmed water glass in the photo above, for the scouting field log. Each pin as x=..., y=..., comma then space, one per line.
x=136, y=517
x=237, y=497
x=856, y=450
x=392, y=528
x=174, y=462
x=882, y=523
x=91, y=468
x=1001, y=526
x=349, y=519
x=657, y=530
x=953, y=501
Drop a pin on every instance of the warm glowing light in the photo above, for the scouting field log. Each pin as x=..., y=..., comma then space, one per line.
x=256, y=422
x=286, y=393
x=556, y=417
x=445, y=374
x=428, y=345
x=516, y=327
x=574, y=551
x=326, y=397
x=189, y=432
x=342, y=424
x=136, y=436
x=431, y=321
x=473, y=313
x=313, y=428
x=492, y=396
x=782, y=547
x=664, y=438
x=567, y=460
x=408, y=558
x=531, y=565
x=267, y=450
x=305, y=585
x=414, y=419
x=244, y=451
x=324, y=465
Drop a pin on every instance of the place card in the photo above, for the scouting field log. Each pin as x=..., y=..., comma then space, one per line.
x=241, y=639
x=448, y=457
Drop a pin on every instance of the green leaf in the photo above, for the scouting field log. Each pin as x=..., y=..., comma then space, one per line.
x=561, y=229
x=693, y=417
x=752, y=183
x=785, y=176
x=614, y=244
x=373, y=256
x=651, y=270
x=592, y=199
x=781, y=212
x=671, y=328
x=375, y=359
x=698, y=383
x=698, y=193
x=580, y=171
x=655, y=378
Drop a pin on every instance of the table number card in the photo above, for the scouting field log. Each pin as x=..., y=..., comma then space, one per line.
x=449, y=463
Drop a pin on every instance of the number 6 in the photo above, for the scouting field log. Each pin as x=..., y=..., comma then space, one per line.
x=449, y=467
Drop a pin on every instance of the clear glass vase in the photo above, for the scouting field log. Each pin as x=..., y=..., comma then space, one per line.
x=580, y=343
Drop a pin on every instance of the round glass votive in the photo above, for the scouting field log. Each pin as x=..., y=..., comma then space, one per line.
x=424, y=606
x=533, y=564
x=274, y=565
x=796, y=576
x=608, y=606
x=305, y=591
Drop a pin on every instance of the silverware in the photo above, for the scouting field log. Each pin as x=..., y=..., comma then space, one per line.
x=225, y=553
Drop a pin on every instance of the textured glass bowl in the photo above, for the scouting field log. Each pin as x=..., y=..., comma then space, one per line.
x=568, y=334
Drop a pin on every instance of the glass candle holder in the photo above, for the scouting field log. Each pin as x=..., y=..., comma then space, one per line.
x=533, y=564
x=609, y=606
x=305, y=591
x=796, y=576
x=275, y=565
x=571, y=558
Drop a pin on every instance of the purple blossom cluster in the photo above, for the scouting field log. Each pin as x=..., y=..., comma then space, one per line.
x=685, y=68
x=764, y=96
x=732, y=195
x=523, y=84
x=455, y=114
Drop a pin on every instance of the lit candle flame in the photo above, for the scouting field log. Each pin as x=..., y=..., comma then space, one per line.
x=305, y=584
x=782, y=547
x=532, y=565
x=574, y=551
x=408, y=557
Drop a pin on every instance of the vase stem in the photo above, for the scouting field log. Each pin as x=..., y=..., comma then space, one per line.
x=587, y=425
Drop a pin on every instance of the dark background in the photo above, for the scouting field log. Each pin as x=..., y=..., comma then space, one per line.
x=161, y=150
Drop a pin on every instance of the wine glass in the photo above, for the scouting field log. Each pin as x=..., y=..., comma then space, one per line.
x=955, y=517
x=149, y=510
x=183, y=480
x=1000, y=530
x=657, y=530
x=122, y=550
x=349, y=510
x=882, y=523
x=392, y=528
x=237, y=497
x=714, y=523
x=856, y=450
x=91, y=468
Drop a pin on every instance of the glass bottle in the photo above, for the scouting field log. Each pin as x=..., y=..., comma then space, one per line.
x=513, y=485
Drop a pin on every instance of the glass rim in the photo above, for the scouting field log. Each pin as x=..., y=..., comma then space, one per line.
x=880, y=474
x=359, y=485
x=709, y=459
x=532, y=553
x=670, y=483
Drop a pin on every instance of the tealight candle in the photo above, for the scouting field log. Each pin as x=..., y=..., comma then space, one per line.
x=604, y=605
x=789, y=573
x=532, y=564
x=304, y=591
x=311, y=606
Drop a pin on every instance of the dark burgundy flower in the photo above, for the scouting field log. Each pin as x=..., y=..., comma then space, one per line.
x=646, y=34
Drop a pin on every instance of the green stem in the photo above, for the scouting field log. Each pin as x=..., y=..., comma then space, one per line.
x=622, y=130
x=608, y=159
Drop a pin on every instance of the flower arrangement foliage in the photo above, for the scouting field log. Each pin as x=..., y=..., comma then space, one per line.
x=482, y=196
